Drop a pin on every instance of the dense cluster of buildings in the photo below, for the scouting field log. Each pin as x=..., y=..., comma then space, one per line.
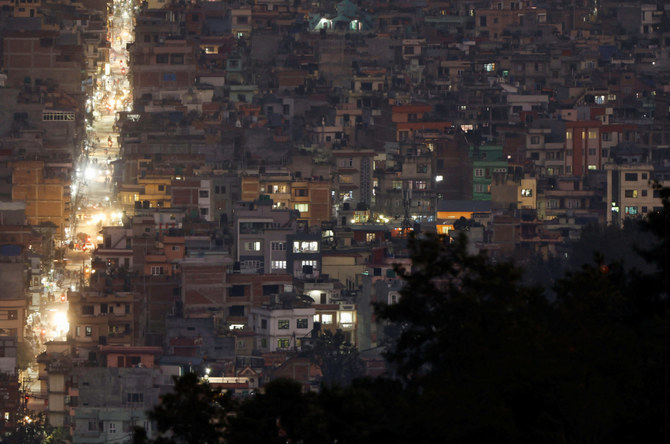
x=279, y=152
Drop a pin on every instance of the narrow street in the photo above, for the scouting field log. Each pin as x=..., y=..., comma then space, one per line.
x=92, y=197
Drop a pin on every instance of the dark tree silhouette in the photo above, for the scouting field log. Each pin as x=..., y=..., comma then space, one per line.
x=337, y=358
x=192, y=413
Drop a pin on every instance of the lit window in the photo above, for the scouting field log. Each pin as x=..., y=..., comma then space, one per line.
x=279, y=265
x=346, y=317
x=283, y=324
x=282, y=343
x=252, y=246
x=302, y=323
x=326, y=318
x=527, y=192
x=305, y=246
x=631, y=210
x=302, y=207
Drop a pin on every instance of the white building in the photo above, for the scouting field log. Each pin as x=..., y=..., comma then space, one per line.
x=281, y=329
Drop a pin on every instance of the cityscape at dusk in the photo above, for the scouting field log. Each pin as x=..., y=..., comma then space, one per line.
x=321, y=221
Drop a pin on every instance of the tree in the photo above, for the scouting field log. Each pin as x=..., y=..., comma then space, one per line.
x=192, y=412
x=31, y=429
x=282, y=414
x=337, y=358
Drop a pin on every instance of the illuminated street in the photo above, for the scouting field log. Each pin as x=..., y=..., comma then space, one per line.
x=92, y=193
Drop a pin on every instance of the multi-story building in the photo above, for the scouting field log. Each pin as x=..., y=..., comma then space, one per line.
x=102, y=319
x=630, y=192
x=487, y=161
x=46, y=190
x=279, y=328
x=260, y=236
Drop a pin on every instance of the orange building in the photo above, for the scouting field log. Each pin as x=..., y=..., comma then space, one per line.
x=46, y=190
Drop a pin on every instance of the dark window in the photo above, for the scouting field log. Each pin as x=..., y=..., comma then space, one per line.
x=283, y=324
x=236, y=290
x=162, y=58
x=630, y=177
x=264, y=324
x=87, y=310
x=176, y=59
x=270, y=289
x=236, y=310
x=302, y=323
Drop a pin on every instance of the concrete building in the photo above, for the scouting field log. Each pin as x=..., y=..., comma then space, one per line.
x=281, y=328
x=630, y=192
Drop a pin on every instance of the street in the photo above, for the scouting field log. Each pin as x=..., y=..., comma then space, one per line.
x=93, y=198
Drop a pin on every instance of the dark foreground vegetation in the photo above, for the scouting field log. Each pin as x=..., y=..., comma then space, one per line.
x=479, y=355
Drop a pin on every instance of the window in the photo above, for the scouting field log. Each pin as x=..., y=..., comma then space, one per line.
x=169, y=77
x=112, y=427
x=278, y=265
x=630, y=177
x=283, y=324
x=278, y=246
x=204, y=211
x=88, y=331
x=479, y=172
x=162, y=58
x=236, y=310
x=135, y=398
x=92, y=426
x=326, y=319
x=302, y=323
x=631, y=210
x=592, y=151
x=631, y=193
x=282, y=343
x=303, y=192
x=204, y=193
x=644, y=176
x=346, y=318
x=87, y=309
x=644, y=193
x=264, y=324
x=252, y=246
x=568, y=135
x=420, y=185
x=345, y=163
x=156, y=271
x=176, y=59
x=606, y=137
x=236, y=290
x=302, y=207
x=309, y=264
x=305, y=246
x=526, y=192
x=422, y=168
x=175, y=248
x=593, y=134
x=397, y=185
x=534, y=140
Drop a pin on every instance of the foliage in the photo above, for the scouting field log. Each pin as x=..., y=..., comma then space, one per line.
x=192, y=412
x=25, y=355
x=337, y=358
x=32, y=431
x=481, y=356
